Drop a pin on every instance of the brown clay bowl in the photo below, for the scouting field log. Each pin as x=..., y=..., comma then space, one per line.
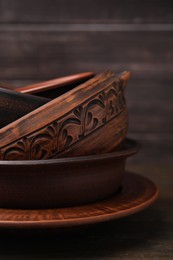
x=54, y=87
x=63, y=182
x=89, y=119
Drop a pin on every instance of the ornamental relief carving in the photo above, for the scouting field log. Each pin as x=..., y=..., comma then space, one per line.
x=59, y=135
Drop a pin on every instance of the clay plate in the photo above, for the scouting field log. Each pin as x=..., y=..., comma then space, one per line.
x=63, y=182
x=136, y=194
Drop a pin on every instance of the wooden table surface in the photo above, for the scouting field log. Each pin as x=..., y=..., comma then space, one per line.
x=145, y=235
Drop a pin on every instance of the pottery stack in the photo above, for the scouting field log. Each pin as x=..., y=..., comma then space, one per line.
x=63, y=142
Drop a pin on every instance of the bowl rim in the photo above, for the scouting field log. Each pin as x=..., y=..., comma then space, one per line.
x=134, y=148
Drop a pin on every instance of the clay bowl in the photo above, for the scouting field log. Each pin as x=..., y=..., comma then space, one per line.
x=14, y=105
x=63, y=182
x=91, y=118
x=55, y=87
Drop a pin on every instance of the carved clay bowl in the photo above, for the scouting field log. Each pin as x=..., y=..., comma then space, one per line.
x=63, y=182
x=89, y=119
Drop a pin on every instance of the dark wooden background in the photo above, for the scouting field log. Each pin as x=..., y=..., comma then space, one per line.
x=46, y=39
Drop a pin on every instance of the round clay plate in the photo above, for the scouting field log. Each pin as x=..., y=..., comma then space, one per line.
x=136, y=194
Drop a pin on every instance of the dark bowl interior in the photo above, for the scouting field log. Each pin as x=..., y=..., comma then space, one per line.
x=63, y=182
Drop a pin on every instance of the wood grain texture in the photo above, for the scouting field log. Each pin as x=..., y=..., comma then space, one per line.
x=156, y=149
x=39, y=56
x=150, y=104
x=80, y=11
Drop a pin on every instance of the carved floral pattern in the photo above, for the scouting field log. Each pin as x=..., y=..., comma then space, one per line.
x=56, y=137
